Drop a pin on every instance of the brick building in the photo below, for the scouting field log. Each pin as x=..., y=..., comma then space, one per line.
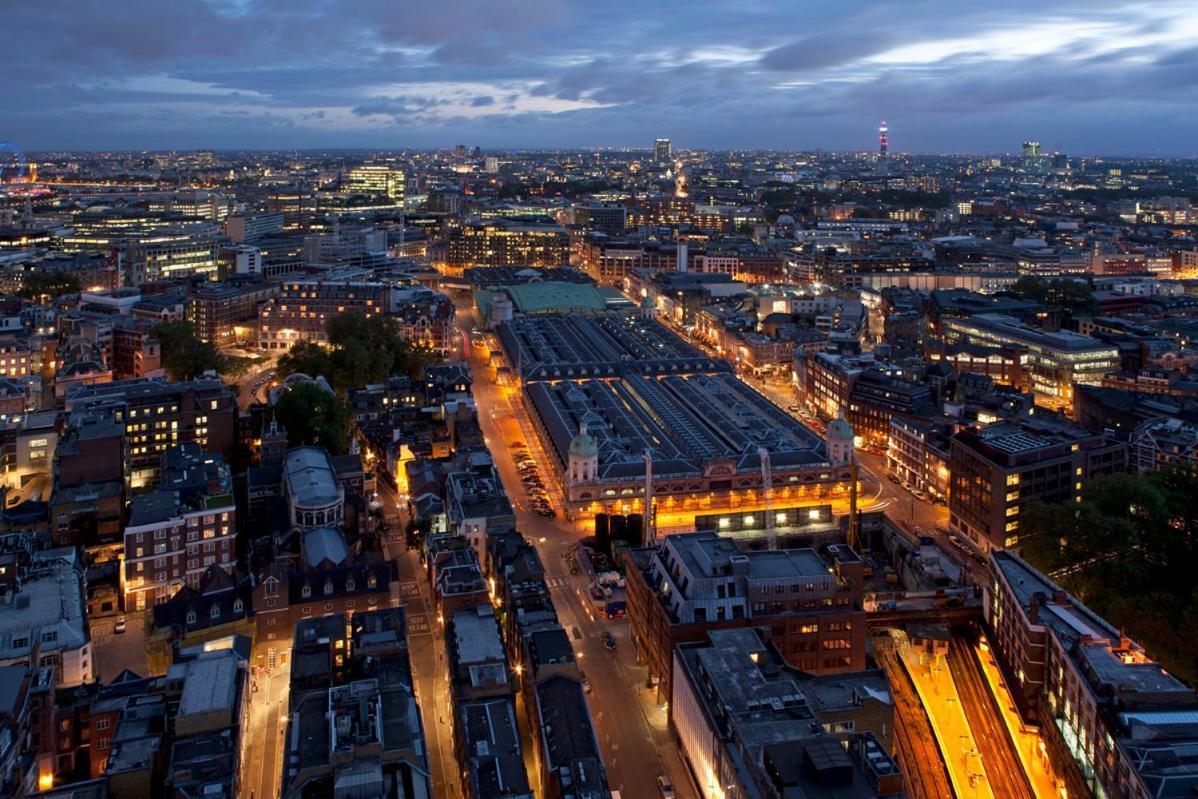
x=810, y=602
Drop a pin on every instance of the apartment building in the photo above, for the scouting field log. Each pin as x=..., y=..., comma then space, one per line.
x=303, y=308
x=226, y=314
x=179, y=530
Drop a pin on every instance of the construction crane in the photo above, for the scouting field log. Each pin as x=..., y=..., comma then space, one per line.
x=650, y=532
x=767, y=495
x=854, y=532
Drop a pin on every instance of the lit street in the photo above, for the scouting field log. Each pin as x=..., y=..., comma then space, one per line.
x=635, y=743
x=263, y=752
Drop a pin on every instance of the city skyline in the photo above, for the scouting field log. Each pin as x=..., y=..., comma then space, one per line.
x=1093, y=79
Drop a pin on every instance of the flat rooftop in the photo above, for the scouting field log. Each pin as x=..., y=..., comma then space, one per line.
x=476, y=636
x=1008, y=327
x=1091, y=641
x=493, y=745
x=707, y=553
x=52, y=601
x=211, y=685
x=744, y=682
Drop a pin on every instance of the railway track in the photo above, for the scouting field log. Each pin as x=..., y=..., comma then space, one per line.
x=1003, y=766
x=924, y=772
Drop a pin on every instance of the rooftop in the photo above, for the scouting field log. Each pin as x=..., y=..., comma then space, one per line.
x=310, y=479
x=1010, y=328
x=493, y=750
x=687, y=421
x=476, y=636
x=51, y=599
x=211, y=684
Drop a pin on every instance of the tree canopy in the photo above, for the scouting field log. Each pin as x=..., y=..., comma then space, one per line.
x=184, y=356
x=1070, y=296
x=1127, y=550
x=361, y=350
x=313, y=416
x=42, y=287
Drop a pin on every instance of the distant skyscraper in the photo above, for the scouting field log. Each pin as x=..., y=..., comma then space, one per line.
x=1032, y=162
x=662, y=152
x=883, y=148
x=377, y=179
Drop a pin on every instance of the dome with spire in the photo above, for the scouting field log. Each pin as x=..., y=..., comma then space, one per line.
x=583, y=445
x=839, y=429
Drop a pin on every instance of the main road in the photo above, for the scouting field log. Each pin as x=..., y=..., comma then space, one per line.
x=631, y=727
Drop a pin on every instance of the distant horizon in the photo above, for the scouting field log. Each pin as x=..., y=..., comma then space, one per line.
x=1093, y=78
x=600, y=149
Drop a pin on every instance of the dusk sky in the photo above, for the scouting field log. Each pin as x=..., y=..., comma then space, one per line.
x=1088, y=77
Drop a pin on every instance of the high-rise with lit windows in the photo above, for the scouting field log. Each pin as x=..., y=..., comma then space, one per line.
x=663, y=151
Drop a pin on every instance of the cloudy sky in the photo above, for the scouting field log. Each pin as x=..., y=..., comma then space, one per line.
x=1088, y=77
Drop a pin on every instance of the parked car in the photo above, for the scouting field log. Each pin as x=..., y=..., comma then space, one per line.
x=892, y=477
x=664, y=787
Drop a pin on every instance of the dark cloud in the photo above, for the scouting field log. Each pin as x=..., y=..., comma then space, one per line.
x=265, y=73
x=823, y=50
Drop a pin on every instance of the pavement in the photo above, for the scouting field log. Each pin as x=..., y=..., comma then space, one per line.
x=1046, y=777
x=938, y=694
x=114, y=653
x=266, y=725
x=251, y=386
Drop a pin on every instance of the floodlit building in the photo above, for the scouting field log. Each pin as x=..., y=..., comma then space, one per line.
x=1055, y=361
x=640, y=389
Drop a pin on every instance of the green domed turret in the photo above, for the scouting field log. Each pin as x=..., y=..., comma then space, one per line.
x=583, y=446
x=839, y=429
